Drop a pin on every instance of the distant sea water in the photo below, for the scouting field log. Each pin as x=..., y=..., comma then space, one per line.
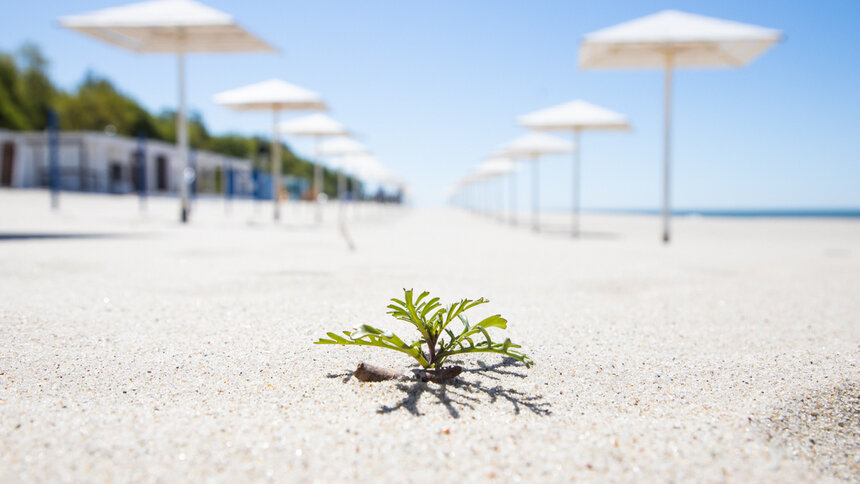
x=746, y=213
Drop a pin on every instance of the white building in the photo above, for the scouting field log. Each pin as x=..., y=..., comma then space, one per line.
x=97, y=162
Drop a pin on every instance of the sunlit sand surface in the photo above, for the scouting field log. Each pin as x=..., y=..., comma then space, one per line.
x=137, y=349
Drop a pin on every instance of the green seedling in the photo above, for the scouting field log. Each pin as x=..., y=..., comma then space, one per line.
x=431, y=319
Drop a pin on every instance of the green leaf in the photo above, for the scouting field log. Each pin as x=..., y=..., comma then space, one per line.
x=496, y=321
x=366, y=335
x=429, y=306
x=405, y=311
x=464, y=343
x=422, y=296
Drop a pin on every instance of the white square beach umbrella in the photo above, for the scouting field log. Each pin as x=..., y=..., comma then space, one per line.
x=671, y=39
x=275, y=95
x=317, y=126
x=532, y=146
x=341, y=147
x=365, y=167
x=169, y=26
x=497, y=167
x=313, y=125
x=574, y=116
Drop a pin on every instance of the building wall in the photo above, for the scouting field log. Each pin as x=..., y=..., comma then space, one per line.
x=14, y=160
x=96, y=162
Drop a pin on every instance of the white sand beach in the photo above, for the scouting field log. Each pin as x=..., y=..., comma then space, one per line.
x=136, y=349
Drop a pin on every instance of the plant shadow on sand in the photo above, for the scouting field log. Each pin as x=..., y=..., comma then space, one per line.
x=464, y=393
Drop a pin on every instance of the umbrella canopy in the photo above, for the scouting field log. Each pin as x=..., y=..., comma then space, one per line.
x=166, y=26
x=695, y=41
x=169, y=26
x=313, y=125
x=501, y=165
x=672, y=39
x=352, y=163
x=319, y=126
x=363, y=166
x=495, y=166
x=533, y=145
x=575, y=116
x=275, y=95
x=572, y=116
x=490, y=169
x=341, y=145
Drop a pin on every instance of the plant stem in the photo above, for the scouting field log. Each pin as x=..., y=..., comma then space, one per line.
x=431, y=345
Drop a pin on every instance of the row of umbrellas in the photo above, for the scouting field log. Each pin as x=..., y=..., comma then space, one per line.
x=665, y=40
x=331, y=138
x=184, y=27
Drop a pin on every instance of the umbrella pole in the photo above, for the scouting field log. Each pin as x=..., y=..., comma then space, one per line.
x=667, y=127
x=341, y=194
x=318, y=175
x=276, y=165
x=501, y=188
x=353, y=190
x=576, y=157
x=479, y=201
x=514, y=197
x=484, y=206
x=471, y=197
x=488, y=199
x=182, y=140
x=226, y=183
x=535, y=195
x=476, y=198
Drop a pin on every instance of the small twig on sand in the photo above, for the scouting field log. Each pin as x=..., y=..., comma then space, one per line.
x=366, y=372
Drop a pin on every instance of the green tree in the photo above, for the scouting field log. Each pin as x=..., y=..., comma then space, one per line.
x=12, y=114
x=198, y=135
x=37, y=91
x=231, y=145
x=97, y=104
x=26, y=94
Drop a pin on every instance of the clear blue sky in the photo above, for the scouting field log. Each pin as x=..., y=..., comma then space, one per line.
x=434, y=86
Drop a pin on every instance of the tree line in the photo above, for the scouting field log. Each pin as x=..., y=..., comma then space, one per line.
x=27, y=94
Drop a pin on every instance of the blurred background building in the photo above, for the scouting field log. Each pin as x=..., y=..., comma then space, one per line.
x=105, y=163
